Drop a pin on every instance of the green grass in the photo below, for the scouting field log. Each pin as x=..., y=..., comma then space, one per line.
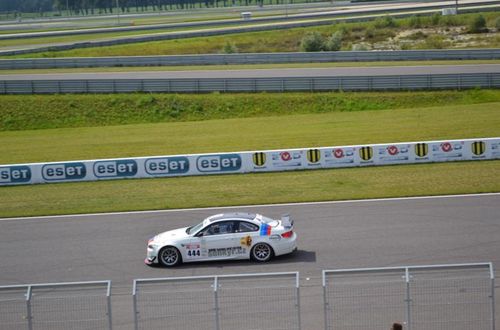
x=285, y=41
x=288, y=129
x=248, y=66
x=24, y=112
x=249, y=122
x=302, y=186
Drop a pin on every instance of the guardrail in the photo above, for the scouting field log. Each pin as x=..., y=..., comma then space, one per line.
x=251, y=58
x=76, y=305
x=306, y=20
x=454, y=297
x=251, y=161
x=236, y=85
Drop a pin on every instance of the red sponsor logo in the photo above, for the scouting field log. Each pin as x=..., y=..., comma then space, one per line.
x=446, y=146
x=285, y=156
x=392, y=150
x=338, y=153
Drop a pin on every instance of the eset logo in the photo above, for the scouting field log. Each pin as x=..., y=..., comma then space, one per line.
x=115, y=168
x=219, y=163
x=66, y=171
x=167, y=165
x=15, y=174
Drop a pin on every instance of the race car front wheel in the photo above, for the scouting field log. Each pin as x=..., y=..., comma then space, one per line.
x=169, y=256
x=262, y=252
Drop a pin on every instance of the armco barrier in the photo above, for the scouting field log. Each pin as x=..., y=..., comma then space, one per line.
x=445, y=297
x=78, y=305
x=256, y=58
x=305, y=20
x=252, y=161
x=284, y=84
x=257, y=301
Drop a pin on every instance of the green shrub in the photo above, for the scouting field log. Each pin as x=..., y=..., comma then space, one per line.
x=385, y=22
x=497, y=24
x=312, y=42
x=415, y=22
x=477, y=24
x=435, y=41
x=369, y=33
x=360, y=47
x=334, y=43
x=435, y=19
x=229, y=48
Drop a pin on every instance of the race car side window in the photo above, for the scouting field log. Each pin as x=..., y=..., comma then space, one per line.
x=245, y=227
x=219, y=228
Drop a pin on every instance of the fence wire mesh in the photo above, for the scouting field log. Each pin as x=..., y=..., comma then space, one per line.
x=448, y=297
x=68, y=306
x=254, y=301
x=365, y=300
x=13, y=308
x=456, y=299
x=179, y=304
x=268, y=302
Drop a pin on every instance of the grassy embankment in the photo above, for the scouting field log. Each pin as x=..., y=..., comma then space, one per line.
x=170, y=124
x=426, y=32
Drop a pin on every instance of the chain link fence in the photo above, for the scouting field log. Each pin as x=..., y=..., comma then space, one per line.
x=78, y=305
x=447, y=297
x=253, y=301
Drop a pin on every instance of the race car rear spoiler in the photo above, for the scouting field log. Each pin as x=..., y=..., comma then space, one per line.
x=286, y=222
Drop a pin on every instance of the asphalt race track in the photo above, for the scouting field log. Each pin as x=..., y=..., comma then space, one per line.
x=357, y=234
x=265, y=73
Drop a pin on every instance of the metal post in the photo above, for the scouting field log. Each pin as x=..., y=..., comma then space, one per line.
x=492, y=277
x=325, y=302
x=118, y=11
x=28, y=309
x=297, y=285
x=134, y=299
x=108, y=295
x=216, y=302
x=408, y=299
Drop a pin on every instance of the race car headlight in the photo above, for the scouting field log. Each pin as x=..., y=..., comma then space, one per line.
x=151, y=244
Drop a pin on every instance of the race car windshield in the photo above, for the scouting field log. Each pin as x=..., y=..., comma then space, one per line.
x=194, y=229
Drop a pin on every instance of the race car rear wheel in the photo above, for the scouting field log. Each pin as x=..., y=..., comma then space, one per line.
x=262, y=252
x=169, y=256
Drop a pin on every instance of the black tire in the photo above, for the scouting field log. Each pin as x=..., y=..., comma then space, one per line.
x=262, y=252
x=169, y=256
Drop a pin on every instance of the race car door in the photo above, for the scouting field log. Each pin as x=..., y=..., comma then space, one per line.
x=217, y=239
x=244, y=234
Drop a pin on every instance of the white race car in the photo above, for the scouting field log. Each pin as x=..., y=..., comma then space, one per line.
x=223, y=237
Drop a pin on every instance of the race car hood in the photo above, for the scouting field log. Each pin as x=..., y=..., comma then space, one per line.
x=171, y=235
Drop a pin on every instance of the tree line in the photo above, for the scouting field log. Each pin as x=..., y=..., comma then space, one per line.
x=94, y=7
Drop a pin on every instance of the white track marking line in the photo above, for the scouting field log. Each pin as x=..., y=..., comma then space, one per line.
x=395, y=199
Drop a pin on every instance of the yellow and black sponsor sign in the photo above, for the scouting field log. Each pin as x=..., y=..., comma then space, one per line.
x=259, y=158
x=366, y=153
x=421, y=149
x=478, y=148
x=247, y=241
x=313, y=155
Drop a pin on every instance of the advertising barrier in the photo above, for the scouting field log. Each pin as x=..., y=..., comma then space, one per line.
x=252, y=161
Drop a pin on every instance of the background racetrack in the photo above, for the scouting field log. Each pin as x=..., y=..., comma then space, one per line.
x=353, y=234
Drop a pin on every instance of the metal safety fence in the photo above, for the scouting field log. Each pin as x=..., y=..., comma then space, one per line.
x=281, y=23
x=234, y=85
x=251, y=58
x=266, y=301
x=446, y=297
x=76, y=305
